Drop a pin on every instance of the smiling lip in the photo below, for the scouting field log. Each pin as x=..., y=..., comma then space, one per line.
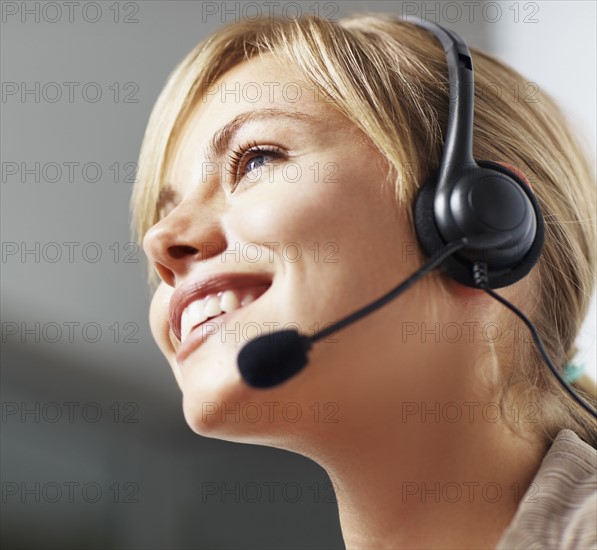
x=210, y=284
x=200, y=334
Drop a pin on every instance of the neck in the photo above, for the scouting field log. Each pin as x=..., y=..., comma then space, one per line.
x=451, y=486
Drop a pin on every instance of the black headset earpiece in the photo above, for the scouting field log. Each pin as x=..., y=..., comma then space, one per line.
x=481, y=201
x=499, y=215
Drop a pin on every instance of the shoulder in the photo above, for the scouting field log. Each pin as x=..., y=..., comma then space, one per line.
x=559, y=509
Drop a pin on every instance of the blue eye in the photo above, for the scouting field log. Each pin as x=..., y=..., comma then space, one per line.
x=256, y=162
x=249, y=158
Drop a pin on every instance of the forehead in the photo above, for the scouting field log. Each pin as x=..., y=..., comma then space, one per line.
x=262, y=80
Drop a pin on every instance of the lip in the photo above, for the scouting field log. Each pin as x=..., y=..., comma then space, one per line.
x=200, y=334
x=210, y=284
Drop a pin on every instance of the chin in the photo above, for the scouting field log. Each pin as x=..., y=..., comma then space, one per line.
x=218, y=404
x=211, y=422
x=224, y=407
x=210, y=389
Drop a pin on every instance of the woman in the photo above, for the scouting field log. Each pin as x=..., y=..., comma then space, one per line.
x=276, y=187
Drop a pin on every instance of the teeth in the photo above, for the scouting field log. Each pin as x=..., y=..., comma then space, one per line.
x=210, y=306
x=229, y=301
x=247, y=300
x=197, y=312
x=192, y=315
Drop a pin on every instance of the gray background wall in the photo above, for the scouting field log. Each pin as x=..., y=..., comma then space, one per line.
x=154, y=474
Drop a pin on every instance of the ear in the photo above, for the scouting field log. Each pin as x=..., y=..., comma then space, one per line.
x=466, y=291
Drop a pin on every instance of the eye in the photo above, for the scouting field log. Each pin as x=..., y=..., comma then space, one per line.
x=250, y=158
x=256, y=162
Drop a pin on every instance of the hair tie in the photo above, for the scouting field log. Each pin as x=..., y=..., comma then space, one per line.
x=573, y=372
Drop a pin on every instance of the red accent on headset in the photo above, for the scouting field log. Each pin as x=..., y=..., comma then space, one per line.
x=518, y=172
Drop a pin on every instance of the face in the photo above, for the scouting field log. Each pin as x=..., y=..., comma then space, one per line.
x=286, y=220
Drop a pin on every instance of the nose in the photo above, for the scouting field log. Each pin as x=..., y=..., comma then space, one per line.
x=189, y=234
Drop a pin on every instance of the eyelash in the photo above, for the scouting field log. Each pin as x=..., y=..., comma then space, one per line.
x=245, y=153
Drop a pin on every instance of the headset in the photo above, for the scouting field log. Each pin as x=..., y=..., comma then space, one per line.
x=481, y=201
x=477, y=220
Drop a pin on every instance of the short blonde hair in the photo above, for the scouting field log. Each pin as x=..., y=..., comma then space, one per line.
x=389, y=78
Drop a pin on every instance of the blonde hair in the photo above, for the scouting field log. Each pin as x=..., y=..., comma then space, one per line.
x=389, y=78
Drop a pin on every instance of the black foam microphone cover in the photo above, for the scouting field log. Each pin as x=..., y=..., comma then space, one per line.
x=273, y=358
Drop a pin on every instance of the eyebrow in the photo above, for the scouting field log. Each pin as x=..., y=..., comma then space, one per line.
x=220, y=141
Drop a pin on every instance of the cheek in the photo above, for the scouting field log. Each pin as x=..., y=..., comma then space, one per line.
x=337, y=198
x=343, y=229
x=159, y=318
